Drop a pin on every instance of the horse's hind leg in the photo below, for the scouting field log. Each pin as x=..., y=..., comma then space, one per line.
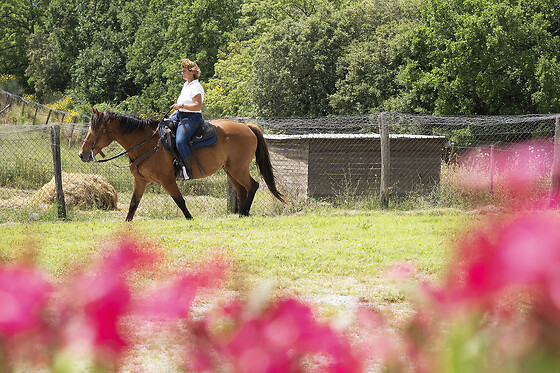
x=246, y=187
x=250, y=196
x=180, y=201
x=239, y=190
x=175, y=193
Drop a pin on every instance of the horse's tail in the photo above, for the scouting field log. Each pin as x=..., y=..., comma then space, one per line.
x=263, y=162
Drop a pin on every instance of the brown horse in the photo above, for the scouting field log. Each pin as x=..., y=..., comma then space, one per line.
x=237, y=144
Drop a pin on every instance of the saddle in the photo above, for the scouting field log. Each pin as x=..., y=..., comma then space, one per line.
x=168, y=134
x=205, y=135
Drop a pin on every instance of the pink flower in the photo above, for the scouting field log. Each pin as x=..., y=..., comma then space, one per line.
x=402, y=271
x=521, y=254
x=513, y=173
x=282, y=336
x=174, y=300
x=104, y=297
x=24, y=293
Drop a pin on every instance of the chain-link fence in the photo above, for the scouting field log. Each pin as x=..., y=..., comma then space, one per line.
x=345, y=160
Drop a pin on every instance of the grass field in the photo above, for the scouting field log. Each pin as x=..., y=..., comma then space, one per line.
x=339, y=254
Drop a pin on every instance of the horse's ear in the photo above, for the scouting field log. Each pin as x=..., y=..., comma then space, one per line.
x=95, y=111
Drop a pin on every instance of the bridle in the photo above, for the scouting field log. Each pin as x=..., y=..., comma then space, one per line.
x=94, y=144
x=139, y=159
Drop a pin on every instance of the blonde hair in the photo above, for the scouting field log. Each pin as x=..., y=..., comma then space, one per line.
x=187, y=64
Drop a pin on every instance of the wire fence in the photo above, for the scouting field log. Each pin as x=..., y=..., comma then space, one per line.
x=346, y=160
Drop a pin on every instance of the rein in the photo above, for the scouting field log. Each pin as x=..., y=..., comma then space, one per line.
x=139, y=159
x=129, y=150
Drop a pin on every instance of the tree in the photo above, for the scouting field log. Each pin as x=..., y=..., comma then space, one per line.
x=171, y=31
x=368, y=67
x=547, y=98
x=227, y=92
x=18, y=19
x=479, y=56
x=230, y=91
x=45, y=70
x=294, y=69
x=86, y=43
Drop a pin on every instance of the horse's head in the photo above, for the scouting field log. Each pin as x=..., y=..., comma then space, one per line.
x=97, y=137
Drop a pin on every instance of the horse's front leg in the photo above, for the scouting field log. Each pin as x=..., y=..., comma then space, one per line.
x=175, y=193
x=138, y=188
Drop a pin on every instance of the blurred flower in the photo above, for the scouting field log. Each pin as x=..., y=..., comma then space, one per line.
x=24, y=293
x=282, y=337
x=402, y=271
x=101, y=297
x=514, y=173
x=174, y=299
x=523, y=253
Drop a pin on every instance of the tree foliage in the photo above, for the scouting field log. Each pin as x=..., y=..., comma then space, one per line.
x=368, y=67
x=290, y=57
x=480, y=57
x=294, y=69
x=18, y=19
x=196, y=29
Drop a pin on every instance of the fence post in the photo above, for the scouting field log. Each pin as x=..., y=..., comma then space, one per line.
x=48, y=116
x=70, y=141
x=385, y=161
x=232, y=200
x=55, y=146
x=35, y=117
x=555, y=183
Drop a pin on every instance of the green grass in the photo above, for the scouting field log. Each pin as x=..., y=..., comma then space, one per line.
x=336, y=254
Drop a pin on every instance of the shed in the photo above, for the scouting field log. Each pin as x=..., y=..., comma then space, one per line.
x=326, y=166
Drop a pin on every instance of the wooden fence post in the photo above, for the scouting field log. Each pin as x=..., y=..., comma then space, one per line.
x=48, y=116
x=35, y=117
x=55, y=146
x=70, y=141
x=232, y=200
x=385, y=161
x=555, y=183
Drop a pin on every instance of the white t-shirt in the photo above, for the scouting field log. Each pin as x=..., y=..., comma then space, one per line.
x=189, y=91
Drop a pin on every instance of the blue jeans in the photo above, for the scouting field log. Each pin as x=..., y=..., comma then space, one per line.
x=192, y=121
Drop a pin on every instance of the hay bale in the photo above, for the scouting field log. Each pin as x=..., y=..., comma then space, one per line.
x=80, y=190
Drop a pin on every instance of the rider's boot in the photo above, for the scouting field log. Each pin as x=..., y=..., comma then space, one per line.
x=186, y=169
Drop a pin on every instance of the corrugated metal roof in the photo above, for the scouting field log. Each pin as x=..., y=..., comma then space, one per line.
x=339, y=136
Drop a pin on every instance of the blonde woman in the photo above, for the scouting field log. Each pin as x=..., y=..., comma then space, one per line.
x=188, y=107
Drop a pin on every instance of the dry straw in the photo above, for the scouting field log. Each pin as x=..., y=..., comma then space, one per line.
x=80, y=190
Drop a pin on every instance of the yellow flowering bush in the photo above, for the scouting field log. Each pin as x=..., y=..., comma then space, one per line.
x=6, y=78
x=63, y=104
x=66, y=104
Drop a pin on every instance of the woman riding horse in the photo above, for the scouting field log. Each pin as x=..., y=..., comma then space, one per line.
x=188, y=111
x=236, y=145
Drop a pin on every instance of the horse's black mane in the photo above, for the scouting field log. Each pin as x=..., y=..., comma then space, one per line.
x=129, y=123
